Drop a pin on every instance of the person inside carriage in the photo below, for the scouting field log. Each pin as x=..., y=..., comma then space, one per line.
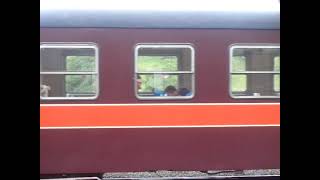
x=184, y=92
x=171, y=91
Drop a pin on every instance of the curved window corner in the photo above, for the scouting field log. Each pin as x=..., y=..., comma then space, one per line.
x=68, y=71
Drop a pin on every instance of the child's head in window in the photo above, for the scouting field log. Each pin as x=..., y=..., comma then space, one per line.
x=171, y=91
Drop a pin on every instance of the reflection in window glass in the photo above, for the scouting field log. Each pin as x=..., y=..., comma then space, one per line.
x=276, y=78
x=157, y=63
x=80, y=63
x=238, y=64
x=239, y=83
x=68, y=71
x=80, y=84
x=255, y=71
x=276, y=85
x=277, y=63
x=164, y=71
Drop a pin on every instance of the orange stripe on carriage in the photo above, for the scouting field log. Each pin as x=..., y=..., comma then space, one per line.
x=159, y=115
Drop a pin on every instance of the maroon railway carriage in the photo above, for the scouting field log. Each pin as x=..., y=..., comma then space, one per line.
x=104, y=105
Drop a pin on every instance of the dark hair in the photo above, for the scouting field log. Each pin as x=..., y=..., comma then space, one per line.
x=183, y=91
x=170, y=89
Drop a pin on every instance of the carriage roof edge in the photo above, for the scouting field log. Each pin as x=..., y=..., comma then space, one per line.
x=160, y=19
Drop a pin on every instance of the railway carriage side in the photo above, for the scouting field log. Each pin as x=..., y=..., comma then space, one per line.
x=105, y=104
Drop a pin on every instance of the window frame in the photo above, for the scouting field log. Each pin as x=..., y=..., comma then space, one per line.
x=250, y=46
x=71, y=45
x=165, y=45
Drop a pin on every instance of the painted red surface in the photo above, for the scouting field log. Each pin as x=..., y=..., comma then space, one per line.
x=159, y=115
x=142, y=149
x=107, y=150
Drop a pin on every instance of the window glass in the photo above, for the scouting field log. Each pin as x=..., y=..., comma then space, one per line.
x=68, y=71
x=164, y=72
x=255, y=71
x=276, y=78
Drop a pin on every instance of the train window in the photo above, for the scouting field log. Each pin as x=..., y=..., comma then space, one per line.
x=164, y=71
x=68, y=71
x=255, y=71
